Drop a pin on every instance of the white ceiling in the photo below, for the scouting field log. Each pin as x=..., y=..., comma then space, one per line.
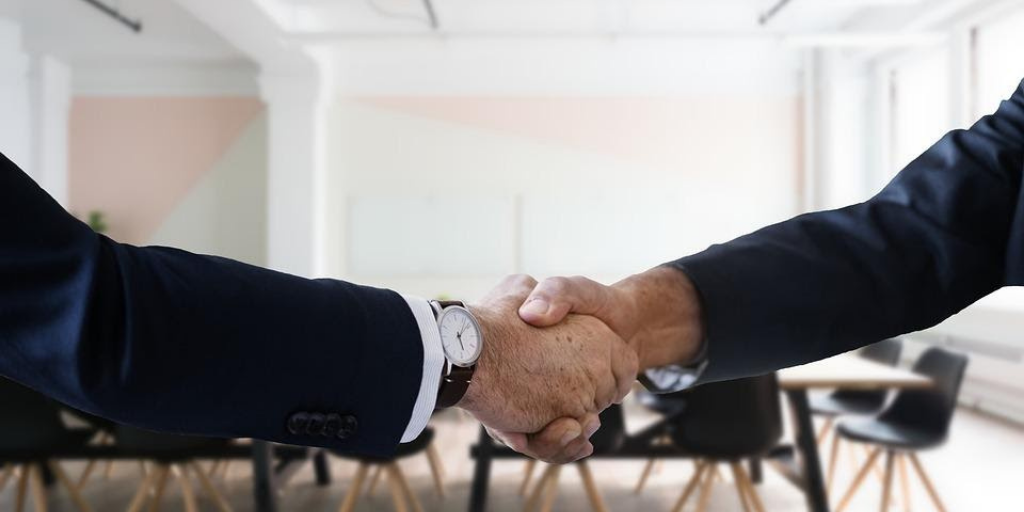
x=568, y=17
x=80, y=34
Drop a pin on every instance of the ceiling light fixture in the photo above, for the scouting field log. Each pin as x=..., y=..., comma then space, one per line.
x=134, y=25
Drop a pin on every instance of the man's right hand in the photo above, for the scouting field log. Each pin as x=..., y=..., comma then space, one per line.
x=528, y=377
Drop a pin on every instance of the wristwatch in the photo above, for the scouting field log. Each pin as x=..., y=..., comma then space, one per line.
x=462, y=342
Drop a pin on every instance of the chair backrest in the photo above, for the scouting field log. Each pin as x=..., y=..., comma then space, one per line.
x=731, y=419
x=132, y=440
x=931, y=409
x=29, y=421
x=885, y=352
x=612, y=433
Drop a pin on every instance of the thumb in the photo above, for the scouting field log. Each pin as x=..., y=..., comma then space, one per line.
x=555, y=298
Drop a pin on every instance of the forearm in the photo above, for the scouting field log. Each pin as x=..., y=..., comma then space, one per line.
x=935, y=240
x=668, y=316
x=168, y=340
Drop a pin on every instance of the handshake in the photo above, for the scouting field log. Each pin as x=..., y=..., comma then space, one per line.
x=559, y=352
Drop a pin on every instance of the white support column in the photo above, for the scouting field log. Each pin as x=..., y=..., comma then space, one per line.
x=15, y=111
x=295, y=209
x=51, y=109
x=810, y=183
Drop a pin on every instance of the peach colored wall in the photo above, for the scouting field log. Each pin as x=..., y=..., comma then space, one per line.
x=135, y=159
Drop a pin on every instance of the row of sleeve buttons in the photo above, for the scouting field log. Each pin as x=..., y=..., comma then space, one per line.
x=338, y=426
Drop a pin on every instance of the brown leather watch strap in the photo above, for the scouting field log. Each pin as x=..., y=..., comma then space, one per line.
x=454, y=386
x=455, y=383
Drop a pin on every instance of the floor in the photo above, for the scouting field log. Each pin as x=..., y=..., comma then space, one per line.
x=980, y=469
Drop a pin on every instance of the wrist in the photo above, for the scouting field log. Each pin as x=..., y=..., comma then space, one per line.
x=668, y=316
x=477, y=385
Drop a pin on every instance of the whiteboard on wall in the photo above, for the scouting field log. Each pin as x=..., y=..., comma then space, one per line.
x=437, y=235
x=609, y=234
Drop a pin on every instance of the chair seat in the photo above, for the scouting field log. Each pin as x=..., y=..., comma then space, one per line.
x=838, y=405
x=888, y=434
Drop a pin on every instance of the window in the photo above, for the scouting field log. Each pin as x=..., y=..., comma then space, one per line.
x=998, y=60
x=920, y=105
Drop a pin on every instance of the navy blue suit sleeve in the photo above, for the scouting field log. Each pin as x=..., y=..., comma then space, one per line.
x=172, y=341
x=948, y=230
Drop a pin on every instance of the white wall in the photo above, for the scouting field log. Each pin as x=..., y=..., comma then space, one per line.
x=595, y=157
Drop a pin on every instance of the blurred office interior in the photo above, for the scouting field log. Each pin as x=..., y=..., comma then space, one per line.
x=596, y=137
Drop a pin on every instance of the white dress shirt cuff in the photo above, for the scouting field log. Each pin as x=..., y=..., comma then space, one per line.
x=433, y=362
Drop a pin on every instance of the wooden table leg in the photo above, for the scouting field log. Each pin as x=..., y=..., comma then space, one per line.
x=814, y=481
x=264, y=487
x=481, y=473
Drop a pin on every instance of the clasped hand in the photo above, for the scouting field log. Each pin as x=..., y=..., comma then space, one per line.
x=560, y=352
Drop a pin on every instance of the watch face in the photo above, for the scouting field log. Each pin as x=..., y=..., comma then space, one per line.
x=460, y=336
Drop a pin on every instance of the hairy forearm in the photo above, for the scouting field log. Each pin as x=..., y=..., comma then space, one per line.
x=667, y=314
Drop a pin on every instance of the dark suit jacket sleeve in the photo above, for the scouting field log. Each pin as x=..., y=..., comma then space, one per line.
x=167, y=340
x=948, y=230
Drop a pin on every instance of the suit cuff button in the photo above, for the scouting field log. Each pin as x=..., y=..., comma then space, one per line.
x=297, y=423
x=347, y=427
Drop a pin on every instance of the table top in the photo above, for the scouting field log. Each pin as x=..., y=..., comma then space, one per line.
x=849, y=371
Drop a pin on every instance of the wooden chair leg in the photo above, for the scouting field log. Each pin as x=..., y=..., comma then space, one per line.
x=552, y=490
x=211, y=492
x=644, y=476
x=213, y=468
x=878, y=472
x=539, y=488
x=904, y=481
x=22, y=490
x=38, y=487
x=72, y=489
x=859, y=479
x=436, y=456
x=156, y=501
x=741, y=489
x=887, y=484
x=84, y=478
x=225, y=470
x=186, y=488
x=378, y=470
x=833, y=459
x=396, y=494
x=591, y=487
x=436, y=469
x=527, y=476
x=927, y=482
x=709, y=483
x=698, y=473
x=823, y=432
x=349, y=503
x=752, y=495
x=395, y=473
x=141, y=493
x=6, y=475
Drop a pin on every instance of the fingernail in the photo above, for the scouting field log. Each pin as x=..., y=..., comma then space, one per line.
x=537, y=307
x=591, y=428
x=569, y=435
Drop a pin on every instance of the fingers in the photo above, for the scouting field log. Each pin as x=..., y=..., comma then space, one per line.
x=554, y=298
x=562, y=441
x=516, y=286
x=625, y=365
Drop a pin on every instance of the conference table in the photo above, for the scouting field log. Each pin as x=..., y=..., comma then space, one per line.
x=846, y=371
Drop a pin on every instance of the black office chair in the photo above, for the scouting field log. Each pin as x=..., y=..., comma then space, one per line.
x=172, y=456
x=669, y=405
x=607, y=440
x=917, y=420
x=728, y=422
x=401, y=493
x=33, y=436
x=846, y=402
